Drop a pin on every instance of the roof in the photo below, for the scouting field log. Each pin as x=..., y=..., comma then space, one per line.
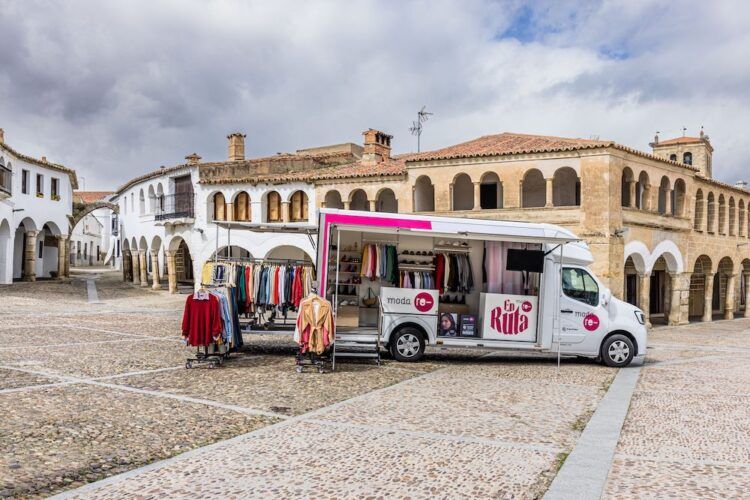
x=510, y=143
x=683, y=140
x=150, y=175
x=46, y=164
x=90, y=196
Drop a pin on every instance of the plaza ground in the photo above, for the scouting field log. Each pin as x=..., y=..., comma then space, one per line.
x=95, y=386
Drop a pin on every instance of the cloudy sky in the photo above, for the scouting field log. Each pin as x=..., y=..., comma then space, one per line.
x=114, y=89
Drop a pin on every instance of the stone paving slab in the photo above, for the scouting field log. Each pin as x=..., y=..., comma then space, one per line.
x=270, y=383
x=61, y=437
x=715, y=374
x=643, y=478
x=12, y=379
x=311, y=460
x=40, y=336
x=467, y=404
x=99, y=360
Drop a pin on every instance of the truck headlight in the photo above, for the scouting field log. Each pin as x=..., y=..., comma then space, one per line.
x=640, y=317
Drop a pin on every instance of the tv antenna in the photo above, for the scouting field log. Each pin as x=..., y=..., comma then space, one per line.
x=416, y=127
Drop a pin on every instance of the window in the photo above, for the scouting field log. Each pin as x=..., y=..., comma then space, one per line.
x=55, y=188
x=85, y=250
x=25, y=181
x=78, y=248
x=41, y=249
x=299, y=206
x=580, y=285
x=220, y=207
x=97, y=252
x=673, y=157
x=118, y=247
x=273, y=209
x=687, y=158
x=39, y=184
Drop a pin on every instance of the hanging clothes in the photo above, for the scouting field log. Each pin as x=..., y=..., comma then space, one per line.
x=379, y=262
x=454, y=272
x=314, y=330
x=202, y=322
x=498, y=278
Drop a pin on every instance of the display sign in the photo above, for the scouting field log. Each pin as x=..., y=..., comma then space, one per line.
x=448, y=326
x=408, y=301
x=508, y=317
x=468, y=325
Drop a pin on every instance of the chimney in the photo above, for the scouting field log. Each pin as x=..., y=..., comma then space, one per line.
x=2, y=135
x=44, y=159
x=236, y=146
x=377, y=145
x=195, y=159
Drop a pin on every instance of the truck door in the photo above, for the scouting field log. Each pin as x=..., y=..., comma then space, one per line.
x=581, y=313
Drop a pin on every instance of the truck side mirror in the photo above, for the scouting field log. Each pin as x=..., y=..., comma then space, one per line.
x=606, y=296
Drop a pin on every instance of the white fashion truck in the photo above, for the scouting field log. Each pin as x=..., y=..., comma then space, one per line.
x=418, y=280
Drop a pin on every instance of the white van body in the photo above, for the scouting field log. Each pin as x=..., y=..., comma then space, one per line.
x=559, y=320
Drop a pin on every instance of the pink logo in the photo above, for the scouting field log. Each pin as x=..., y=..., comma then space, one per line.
x=509, y=319
x=526, y=306
x=591, y=322
x=423, y=302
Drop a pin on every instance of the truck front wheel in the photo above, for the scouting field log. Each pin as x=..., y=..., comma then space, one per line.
x=618, y=351
x=408, y=345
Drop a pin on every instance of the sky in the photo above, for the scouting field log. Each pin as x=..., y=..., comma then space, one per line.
x=116, y=89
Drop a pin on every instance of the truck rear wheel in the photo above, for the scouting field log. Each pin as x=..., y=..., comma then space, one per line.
x=408, y=345
x=617, y=351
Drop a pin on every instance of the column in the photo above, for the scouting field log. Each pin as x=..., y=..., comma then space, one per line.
x=155, y=270
x=172, y=271
x=450, y=193
x=708, y=297
x=62, y=255
x=680, y=286
x=373, y=205
x=126, y=265
x=477, y=196
x=729, y=297
x=550, y=192
x=667, y=294
x=644, y=292
x=229, y=207
x=136, y=267
x=144, y=268
x=30, y=256
x=647, y=201
x=631, y=189
x=346, y=205
x=747, y=295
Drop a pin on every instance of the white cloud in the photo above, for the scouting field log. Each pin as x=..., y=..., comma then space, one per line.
x=116, y=89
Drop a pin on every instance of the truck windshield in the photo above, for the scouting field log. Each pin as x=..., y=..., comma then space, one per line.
x=580, y=285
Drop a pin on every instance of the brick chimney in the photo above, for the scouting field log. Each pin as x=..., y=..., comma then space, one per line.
x=236, y=146
x=193, y=159
x=44, y=159
x=2, y=135
x=377, y=145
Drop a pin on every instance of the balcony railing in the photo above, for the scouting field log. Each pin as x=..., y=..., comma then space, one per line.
x=175, y=206
x=6, y=183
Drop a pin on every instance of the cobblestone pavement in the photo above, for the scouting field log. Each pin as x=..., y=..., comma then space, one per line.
x=92, y=390
x=687, y=433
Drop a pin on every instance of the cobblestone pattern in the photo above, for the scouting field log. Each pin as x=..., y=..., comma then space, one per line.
x=686, y=434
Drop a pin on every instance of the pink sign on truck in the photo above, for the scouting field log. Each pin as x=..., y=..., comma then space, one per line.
x=508, y=317
x=408, y=300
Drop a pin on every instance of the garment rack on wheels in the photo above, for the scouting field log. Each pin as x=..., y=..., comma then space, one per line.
x=460, y=282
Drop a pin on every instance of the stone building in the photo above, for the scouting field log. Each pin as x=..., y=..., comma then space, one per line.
x=665, y=235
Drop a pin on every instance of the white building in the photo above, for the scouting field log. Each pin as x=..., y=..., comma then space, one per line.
x=167, y=217
x=35, y=205
x=91, y=239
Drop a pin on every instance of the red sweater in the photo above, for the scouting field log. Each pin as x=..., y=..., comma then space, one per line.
x=201, y=321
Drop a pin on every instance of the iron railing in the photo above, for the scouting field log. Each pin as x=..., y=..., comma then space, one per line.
x=175, y=206
x=6, y=180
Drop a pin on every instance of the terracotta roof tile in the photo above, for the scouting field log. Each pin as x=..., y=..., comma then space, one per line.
x=680, y=140
x=54, y=166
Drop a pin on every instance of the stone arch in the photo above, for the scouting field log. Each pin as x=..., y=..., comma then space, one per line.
x=672, y=255
x=732, y=219
x=424, y=195
x=462, y=192
x=702, y=272
x=289, y=252
x=299, y=206
x=699, y=214
x=386, y=201
x=724, y=282
x=272, y=203
x=710, y=213
x=233, y=251
x=678, y=198
x=358, y=200
x=81, y=210
x=143, y=244
x=490, y=191
x=151, y=199
x=242, y=206
x=26, y=225
x=639, y=254
x=626, y=181
x=566, y=188
x=665, y=189
x=219, y=204
x=534, y=191
x=183, y=262
x=125, y=245
x=333, y=199
x=722, y=215
x=141, y=202
x=632, y=271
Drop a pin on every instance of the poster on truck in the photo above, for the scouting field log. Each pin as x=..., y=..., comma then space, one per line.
x=508, y=317
x=408, y=301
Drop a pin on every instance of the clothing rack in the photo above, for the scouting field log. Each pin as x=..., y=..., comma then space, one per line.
x=211, y=359
x=452, y=250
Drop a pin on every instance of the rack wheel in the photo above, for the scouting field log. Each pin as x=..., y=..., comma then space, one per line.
x=320, y=369
x=299, y=369
x=188, y=365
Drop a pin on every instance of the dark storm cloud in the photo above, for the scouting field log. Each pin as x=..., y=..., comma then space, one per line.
x=114, y=89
